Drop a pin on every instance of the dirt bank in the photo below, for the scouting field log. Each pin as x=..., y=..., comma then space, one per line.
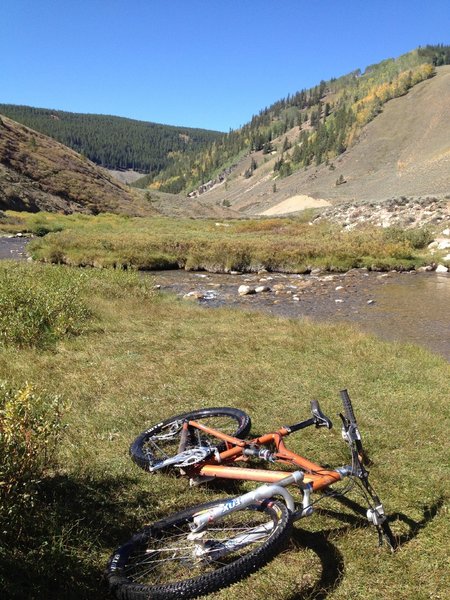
x=295, y=204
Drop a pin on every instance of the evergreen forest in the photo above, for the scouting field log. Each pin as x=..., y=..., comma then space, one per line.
x=113, y=142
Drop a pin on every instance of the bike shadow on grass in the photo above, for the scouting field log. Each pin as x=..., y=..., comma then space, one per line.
x=332, y=561
x=414, y=527
x=358, y=519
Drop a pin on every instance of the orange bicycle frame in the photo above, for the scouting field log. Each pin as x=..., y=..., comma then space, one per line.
x=216, y=466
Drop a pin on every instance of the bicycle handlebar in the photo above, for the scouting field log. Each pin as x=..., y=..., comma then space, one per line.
x=348, y=408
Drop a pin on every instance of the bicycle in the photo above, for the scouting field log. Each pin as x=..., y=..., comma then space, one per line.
x=210, y=546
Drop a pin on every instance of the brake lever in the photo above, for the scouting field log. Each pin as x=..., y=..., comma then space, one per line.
x=320, y=420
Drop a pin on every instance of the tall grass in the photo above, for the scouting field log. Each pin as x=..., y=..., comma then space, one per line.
x=287, y=244
x=30, y=426
x=39, y=306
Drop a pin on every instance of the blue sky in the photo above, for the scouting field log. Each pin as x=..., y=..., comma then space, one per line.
x=197, y=63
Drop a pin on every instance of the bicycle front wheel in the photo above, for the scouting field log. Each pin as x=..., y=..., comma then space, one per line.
x=166, y=561
x=162, y=440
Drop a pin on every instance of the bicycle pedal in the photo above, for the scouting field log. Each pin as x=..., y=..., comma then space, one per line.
x=199, y=479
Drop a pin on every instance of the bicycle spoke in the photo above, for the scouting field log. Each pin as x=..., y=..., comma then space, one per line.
x=179, y=556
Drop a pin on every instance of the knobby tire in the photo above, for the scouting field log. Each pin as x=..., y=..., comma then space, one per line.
x=138, y=570
x=162, y=440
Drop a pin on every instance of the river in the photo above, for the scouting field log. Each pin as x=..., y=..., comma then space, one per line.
x=409, y=307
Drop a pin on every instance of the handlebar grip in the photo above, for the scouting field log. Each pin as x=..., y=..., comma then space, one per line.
x=348, y=408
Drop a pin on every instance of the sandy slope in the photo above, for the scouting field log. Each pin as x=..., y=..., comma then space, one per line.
x=294, y=204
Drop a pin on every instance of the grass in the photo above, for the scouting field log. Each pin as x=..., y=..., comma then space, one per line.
x=284, y=244
x=40, y=306
x=144, y=356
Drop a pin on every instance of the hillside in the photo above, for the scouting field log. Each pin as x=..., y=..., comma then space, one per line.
x=310, y=127
x=404, y=151
x=38, y=173
x=113, y=142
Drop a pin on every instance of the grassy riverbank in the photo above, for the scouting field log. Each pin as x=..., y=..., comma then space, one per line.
x=140, y=356
x=287, y=244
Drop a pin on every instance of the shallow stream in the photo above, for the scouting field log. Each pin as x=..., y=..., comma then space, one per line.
x=409, y=307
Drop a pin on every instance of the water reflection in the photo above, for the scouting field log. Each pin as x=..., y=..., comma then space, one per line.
x=407, y=307
x=413, y=309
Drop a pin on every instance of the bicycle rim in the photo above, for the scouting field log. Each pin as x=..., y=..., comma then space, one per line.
x=163, y=561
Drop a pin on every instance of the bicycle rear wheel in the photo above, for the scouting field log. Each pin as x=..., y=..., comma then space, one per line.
x=162, y=441
x=163, y=561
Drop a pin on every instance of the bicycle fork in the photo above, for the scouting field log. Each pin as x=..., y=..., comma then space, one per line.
x=263, y=492
x=211, y=549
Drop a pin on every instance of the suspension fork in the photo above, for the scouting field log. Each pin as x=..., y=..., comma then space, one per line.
x=375, y=513
x=263, y=492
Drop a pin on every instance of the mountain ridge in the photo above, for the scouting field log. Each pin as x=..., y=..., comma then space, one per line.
x=327, y=118
x=372, y=136
x=38, y=173
x=404, y=151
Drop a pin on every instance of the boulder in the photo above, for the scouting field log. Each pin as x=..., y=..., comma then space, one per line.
x=262, y=288
x=441, y=269
x=193, y=296
x=245, y=290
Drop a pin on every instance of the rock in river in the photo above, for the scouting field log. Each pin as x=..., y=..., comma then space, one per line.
x=244, y=290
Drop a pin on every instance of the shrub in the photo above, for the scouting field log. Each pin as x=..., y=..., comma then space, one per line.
x=39, y=305
x=416, y=238
x=41, y=230
x=30, y=425
x=419, y=238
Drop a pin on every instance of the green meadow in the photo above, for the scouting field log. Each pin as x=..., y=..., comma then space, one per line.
x=104, y=355
x=280, y=244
